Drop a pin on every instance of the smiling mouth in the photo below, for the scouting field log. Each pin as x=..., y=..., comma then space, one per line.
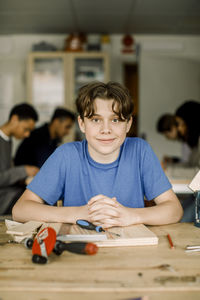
x=106, y=141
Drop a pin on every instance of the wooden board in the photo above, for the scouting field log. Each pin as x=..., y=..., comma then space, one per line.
x=195, y=183
x=24, y=229
x=137, y=235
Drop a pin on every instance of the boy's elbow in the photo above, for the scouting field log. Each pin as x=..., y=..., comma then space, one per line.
x=179, y=213
x=15, y=212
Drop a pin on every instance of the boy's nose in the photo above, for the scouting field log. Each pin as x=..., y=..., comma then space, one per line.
x=105, y=127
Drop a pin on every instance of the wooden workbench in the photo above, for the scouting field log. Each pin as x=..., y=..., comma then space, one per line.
x=113, y=273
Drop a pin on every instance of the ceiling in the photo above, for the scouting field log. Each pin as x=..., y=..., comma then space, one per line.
x=100, y=16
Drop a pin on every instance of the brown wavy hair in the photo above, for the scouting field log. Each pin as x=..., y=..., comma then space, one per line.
x=122, y=102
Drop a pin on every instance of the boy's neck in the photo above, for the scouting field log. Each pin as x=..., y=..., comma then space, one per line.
x=103, y=158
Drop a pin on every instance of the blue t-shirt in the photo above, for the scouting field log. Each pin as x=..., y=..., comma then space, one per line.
x=72, y=175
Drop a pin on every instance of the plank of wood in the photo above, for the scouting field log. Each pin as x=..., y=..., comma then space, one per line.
x=195, y=183
x=82, y=237
x=70, y=232
x=11, y=224
x=26, y=228
x=137, y=235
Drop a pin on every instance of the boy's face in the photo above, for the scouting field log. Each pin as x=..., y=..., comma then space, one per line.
x=104, y=132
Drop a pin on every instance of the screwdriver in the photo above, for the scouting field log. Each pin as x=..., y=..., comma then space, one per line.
x=88, y=225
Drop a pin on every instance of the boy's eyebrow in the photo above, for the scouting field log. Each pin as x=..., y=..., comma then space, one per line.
x=113, y=115
x=96, y=115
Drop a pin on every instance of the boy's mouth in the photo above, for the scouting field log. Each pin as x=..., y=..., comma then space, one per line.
x=106, y=141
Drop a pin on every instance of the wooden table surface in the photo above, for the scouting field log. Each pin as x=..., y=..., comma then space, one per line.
x=113, y=273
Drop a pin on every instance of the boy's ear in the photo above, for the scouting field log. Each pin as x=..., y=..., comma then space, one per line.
x=129, y=123
x=81, y=124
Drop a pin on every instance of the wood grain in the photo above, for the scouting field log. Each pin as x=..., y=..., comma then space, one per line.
x=116, y=273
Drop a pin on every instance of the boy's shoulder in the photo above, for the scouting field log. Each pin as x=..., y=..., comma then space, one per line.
x=72, y=147
x=136, y=141
x=136, y=146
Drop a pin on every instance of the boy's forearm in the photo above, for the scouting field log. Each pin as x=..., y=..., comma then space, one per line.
x=31, y=210
x=164, y=213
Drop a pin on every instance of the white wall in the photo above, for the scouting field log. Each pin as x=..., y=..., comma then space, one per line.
x=169, y=73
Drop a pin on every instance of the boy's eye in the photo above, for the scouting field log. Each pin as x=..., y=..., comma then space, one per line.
x=115, y=120
x=95, y=120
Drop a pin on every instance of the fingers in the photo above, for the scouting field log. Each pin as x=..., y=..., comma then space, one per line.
x=102, y=206
x=108, y=222
x=101, y=201
x=104, y=211
x=105, y=199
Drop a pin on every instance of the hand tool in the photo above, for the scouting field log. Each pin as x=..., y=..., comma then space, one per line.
x=195, y=248
x=195, y=187
x=43, y=245
x=45, y=242
x=88, y=225
x=28, y=242
x=197, y=208
x=75, y=247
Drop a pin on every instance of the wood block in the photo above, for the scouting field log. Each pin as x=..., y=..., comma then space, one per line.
x=136, y=235
x=195, y=183
x=11, y=224
x=24, y=229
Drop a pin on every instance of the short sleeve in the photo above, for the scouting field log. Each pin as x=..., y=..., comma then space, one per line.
x=50, y=180
x=155, y=182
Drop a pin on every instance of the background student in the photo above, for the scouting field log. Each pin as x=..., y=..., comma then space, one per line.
x=21, y=121
x=44, y=140
x=183, y=126
x=105, y=177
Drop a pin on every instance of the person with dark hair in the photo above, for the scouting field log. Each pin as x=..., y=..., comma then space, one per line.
x=167, y=125
x=188, y=124
x=21, y=122
x=104, y=178
x=44, y=140
x=184, y=126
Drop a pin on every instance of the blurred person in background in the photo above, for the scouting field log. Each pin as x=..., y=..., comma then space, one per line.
x=21, y=122
x=184, y=126
x=42, y=142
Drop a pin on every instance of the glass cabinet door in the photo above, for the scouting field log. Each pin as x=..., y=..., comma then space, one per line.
x=87, y=70
x=47, y=85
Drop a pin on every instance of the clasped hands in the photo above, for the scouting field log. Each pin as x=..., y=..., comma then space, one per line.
x=108, y=212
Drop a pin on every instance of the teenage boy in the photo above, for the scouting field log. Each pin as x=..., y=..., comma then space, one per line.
x=21, y=122
x=43, y=141
x=105, y=177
